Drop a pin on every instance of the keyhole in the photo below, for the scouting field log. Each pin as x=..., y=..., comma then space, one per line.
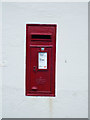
x=34, y=68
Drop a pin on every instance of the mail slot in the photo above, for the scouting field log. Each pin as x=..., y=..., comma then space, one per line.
x=40, y=59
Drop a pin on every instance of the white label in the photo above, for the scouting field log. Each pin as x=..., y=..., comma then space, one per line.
x=42, y=60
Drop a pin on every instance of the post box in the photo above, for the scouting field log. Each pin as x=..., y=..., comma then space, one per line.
x=40, y=59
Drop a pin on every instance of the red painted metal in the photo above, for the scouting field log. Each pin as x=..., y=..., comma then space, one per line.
x=40, y=82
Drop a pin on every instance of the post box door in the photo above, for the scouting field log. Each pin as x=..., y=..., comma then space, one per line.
x=40, y=62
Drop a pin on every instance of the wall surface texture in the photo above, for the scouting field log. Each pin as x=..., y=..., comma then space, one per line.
x=71, y=99
x=0, y=60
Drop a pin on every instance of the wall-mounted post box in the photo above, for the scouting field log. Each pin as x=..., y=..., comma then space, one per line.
x=40, y=59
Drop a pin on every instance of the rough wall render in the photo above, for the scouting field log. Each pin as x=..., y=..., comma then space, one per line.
x=71, y=99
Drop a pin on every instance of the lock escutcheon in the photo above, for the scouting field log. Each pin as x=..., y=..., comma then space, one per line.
x=34, y=68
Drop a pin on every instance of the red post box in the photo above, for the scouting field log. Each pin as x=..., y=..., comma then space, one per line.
x=40, y=59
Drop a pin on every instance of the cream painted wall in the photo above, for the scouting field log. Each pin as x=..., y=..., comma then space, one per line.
x=71, y=99
x=1, y=64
